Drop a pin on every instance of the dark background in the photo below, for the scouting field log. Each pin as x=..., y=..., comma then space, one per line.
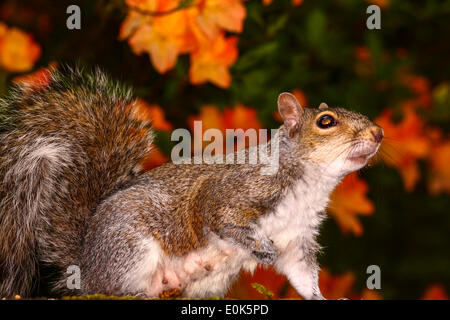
x=311, y=47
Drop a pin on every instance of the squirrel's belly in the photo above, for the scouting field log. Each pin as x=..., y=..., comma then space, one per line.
x=201, y=273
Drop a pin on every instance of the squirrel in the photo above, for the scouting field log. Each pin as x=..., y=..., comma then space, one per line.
x=73, y=192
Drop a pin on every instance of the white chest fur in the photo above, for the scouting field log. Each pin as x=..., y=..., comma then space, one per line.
x=298, y=215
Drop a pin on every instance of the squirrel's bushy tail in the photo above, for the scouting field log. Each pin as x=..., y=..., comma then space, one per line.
x=63, y=147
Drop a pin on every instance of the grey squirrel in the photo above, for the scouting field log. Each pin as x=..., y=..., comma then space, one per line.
x=72, y=193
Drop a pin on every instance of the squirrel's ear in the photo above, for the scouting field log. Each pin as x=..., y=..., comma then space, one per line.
x=290, y=111
x=323, y=105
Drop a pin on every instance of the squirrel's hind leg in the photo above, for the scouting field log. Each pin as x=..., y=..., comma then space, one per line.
x=165, y=282
x=174, y=274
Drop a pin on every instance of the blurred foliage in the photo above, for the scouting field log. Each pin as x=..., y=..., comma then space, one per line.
x=225, y=62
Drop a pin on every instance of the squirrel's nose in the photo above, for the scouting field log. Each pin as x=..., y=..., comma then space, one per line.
x=377, y=133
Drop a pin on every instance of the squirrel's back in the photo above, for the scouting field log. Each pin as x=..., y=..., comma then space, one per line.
x=63, y=147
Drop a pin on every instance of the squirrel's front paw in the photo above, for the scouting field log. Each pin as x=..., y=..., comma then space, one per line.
x=266, y=252
x=265, y=257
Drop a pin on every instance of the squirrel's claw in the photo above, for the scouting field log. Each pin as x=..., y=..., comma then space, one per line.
x=265, y=257
x=266, y=252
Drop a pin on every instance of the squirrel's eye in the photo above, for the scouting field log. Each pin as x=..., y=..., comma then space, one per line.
x=326, y=121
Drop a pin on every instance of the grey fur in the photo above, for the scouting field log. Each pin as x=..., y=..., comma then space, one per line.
x=63, y=147
x=70, y=192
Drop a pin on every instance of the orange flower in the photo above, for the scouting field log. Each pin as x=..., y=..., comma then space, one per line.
x=38, y=79
x=331, y=286
x=154, y=159
x=435, y=292
x=364, y=64
x=266, y=276
x=240, y=117
x=152, y=113
x=301, y=97
x=131, y=23
x=211, y=61
x=439, y=168
x=347, y=201
x=150, y=5
x=297, y=2
x=155, y=115
x=383, y=4
x=210, y=116
x=341, y=286
x=197, y=29
x=18, y=51
x=368, y=294
x=405, y=142
x=163, y=39
x=335, y=286
x=294, y=2
x=421, y=89
x=363, y=53
x=214, y=15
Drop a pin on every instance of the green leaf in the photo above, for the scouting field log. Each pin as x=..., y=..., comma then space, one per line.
x=163, y=141
x=279, y=24
x=254, y=13
x=375, y=46
x=263, y=290
x=315, y=27
x=252, y=57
